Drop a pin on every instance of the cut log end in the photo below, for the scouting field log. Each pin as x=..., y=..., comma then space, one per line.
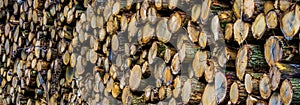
x=220, y=87
x=265, y=87
x=258, y=26
x=286, y=92
x=135, y=77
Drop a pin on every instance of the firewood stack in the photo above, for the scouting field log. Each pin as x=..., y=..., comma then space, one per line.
x=150, y=52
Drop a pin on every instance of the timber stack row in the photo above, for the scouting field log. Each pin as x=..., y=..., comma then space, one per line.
x=138, y=52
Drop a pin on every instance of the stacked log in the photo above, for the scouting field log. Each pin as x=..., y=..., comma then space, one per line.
x=149, y=52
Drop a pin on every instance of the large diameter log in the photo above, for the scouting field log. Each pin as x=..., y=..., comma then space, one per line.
x=277, y=50
x=289, y=91
x=249, y=58
x=237, y=93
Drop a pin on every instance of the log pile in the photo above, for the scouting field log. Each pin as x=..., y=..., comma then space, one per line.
x=149, y=52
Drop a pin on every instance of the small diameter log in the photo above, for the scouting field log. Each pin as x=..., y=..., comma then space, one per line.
x=240, y=31
x=177, y=87
x=251, y=84
x=265, y=87
x=275, y=99
x=271, y=20
x=249, y=58
x=228, y=33
x=191, y=91
x=220, y=87
x=237, y=92
x=277, y=49
x=176, y=64
x=238, y=8
x=202, y=41
x=152, y=15
x=289, y=91
x=209, y=97
x=162, y=32
x=258, y=26
x=152, y=54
